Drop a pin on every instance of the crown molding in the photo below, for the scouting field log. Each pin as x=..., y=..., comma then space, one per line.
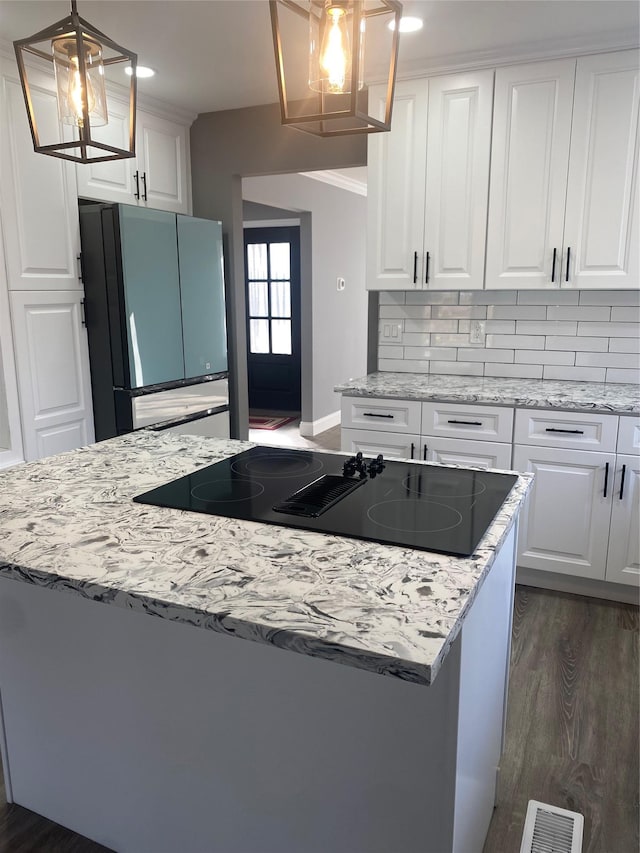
x=337, y=179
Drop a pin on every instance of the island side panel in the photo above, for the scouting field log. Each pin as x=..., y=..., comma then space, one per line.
x=149, y=735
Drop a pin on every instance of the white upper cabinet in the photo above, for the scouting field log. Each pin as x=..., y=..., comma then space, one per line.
x=37, y=194
x=428, y=180
x=563, y=197
x=158, y=176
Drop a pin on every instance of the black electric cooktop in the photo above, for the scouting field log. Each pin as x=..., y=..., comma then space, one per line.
x=428, y=507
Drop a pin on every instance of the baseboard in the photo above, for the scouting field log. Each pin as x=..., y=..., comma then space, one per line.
x=577, y=586
x=312, y=428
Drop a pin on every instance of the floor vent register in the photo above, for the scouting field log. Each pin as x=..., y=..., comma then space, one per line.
x=549, y=829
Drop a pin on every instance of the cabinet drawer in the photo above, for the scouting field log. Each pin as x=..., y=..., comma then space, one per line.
x=566, y=429
x=371, y=442
x=455, y=451
x=464, y=420
x=383, y=415
x=629, y=435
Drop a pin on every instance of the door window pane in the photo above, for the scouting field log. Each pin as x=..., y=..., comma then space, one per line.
x=280, y=260
x=281, y=337
x=258, y=299
x=257, y=260
x=280, y=299
x=259, y=335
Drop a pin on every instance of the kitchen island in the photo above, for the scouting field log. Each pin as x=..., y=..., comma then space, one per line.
x=366, y=715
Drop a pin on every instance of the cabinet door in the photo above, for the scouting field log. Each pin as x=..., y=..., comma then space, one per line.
x=204, y=328
x=623, y=563
x=455, y=451
x=38, y=194
x=151, y=295
x=395, y=195
x=565, y=527
x=457, y=182
x=53, y=372
x=163, y=159
x=372, y=442
x=602, y=221
x=112, y=181
x=529, y=164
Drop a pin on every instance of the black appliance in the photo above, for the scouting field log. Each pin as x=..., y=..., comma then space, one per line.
x=428, y=507
x=155, y=316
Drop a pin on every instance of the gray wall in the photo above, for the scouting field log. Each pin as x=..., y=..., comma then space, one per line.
x=334, y=324
x=230, y=144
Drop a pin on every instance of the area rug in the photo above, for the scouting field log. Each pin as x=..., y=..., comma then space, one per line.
x=269, y=421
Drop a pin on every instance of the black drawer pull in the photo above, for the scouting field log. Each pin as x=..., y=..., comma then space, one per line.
x=553, y=266
x=466, y=423
x=424, y=453
x=374, y=415
x=136, y=177
x=606, y=479
x=426, y=267
x=566, y=278
x=415, y=267
x=624, y=471
x=413, y=447
x=571, y=431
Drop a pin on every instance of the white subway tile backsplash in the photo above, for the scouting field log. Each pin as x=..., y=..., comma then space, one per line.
x=482, y=354
x=430, y=297
x=517, y=371
x=552, y=334
x=516, y=341
x=459, y=312
x=578, y=312
x=431, y=326
x=547, y=297
x=391, y=297
x=607, y=359
x=430, y=353
x=620, y=374
x=462, y=368
x=536, y=356
x=631, y=313
x=488, y=297
x=546, y=327
x=610, y=297
x=517, y=312
x=574, y=374
x=575, y=344
x=610, y=330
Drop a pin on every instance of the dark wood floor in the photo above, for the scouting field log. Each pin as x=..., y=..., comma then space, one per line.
x=572, y=729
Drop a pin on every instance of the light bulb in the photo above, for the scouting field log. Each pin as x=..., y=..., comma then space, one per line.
x=70, y=82
x=74, y=93
x=335, y=51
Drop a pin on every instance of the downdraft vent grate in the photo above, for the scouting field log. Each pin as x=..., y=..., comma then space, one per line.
x=549, y=829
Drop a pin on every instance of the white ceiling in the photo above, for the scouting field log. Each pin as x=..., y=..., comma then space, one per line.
x=218, y=54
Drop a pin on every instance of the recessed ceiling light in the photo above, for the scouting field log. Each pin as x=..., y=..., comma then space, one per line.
x=141, y=71
x=408, y=24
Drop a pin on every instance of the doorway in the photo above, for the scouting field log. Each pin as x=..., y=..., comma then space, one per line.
x=272, y=281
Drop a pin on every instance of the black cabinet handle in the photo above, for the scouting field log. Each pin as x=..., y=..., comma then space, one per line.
x=566, y=278
x=424, y=453
x=374, y=415
x=83, y=319
x=572, y=431
x=413, y=447
x=415, y=267
x=466, y=423
x=606, y=478
x=80, y=268
x=136, y=194
x=144, y=184
x=426, y=269
x=624, y=471
x=553, y=265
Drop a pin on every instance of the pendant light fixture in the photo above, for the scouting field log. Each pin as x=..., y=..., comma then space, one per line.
x=323, y=68
x=80, y=54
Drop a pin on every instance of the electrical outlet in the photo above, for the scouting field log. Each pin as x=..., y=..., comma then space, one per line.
x=476, y=332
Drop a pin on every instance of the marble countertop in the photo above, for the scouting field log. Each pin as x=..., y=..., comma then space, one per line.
x=613, y=398
x=68, y=523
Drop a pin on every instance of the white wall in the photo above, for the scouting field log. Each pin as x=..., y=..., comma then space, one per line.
x=338, y=320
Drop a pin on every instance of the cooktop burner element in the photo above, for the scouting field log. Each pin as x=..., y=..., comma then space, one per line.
x=428, y=507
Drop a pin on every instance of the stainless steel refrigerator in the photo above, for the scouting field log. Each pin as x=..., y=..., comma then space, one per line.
x=155, y=316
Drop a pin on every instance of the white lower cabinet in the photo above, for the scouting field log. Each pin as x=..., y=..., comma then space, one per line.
x=623, y=561
x=53, y=371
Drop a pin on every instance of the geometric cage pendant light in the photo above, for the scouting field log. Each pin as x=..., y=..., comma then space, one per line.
x=328, y=53
x=79, y=53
